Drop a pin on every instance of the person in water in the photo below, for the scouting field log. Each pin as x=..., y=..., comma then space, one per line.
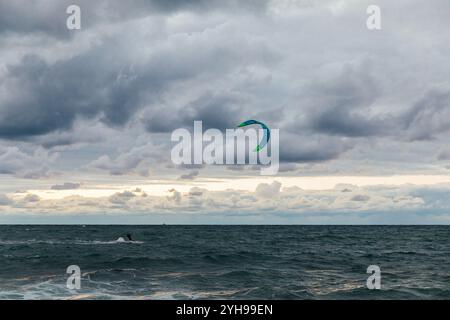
x=129, y=237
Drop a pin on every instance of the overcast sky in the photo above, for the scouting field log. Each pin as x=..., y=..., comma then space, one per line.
x=86, y=115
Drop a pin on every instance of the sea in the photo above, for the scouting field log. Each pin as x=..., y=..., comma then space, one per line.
x=224, y=262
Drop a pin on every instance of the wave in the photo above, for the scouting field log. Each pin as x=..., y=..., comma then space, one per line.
x=109, y=242
x=65, y=242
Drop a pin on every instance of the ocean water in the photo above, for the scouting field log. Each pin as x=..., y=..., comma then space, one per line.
x=225, y=262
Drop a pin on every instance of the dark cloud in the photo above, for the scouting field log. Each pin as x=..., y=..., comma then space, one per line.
x=22, y=16
x=315, y=148
x=444, y=155
x=34, y=165
x=188, y=166
x=220, y=111
x=345, y=103
x=422, y=121
x=237, y=167
x=66, y=186
x=344, y=122
x=167, y=72
x=49, y=17
x=190, y=176
x=429, y=116
x=197, y=192
x=52, y=97
x=360, y=198
x=46, y=97
x=216, y=111
x=339, y=103
x=102, y=82
x=203, y=5
x=121, y=197
x=125, y=163
x=31, y=198
x=287, y=167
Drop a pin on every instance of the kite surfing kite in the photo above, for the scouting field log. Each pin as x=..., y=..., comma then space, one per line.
x=266, y=135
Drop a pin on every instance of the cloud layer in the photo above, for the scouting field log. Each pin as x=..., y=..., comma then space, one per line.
x=102, y=101
x=268, y=201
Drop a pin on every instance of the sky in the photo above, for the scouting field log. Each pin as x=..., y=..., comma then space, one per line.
x=86, y=115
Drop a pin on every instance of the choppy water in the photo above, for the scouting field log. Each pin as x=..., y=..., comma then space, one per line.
x=225, y=262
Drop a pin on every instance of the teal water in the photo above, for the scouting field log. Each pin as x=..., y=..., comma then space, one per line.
x=225, y=262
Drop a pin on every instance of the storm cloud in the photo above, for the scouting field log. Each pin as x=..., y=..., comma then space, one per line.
x=48, y=17
x=113, y=91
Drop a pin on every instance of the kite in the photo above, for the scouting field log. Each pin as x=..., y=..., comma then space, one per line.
x=266, y=136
